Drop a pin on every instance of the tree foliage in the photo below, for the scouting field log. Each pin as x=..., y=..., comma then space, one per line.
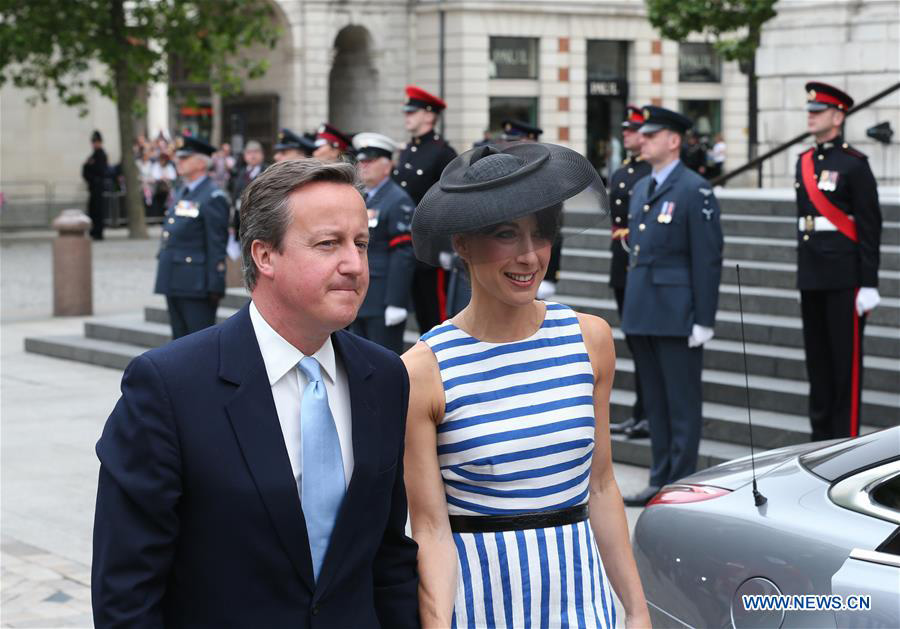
x=733, y=25
x=53, y=45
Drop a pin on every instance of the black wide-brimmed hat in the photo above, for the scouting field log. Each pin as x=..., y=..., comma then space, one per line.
x=488, y=185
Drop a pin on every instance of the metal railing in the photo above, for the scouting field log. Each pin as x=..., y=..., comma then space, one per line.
x=757, y=161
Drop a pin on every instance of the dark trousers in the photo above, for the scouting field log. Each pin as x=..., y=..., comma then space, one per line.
x=374, y=329
x=190, y=314
x=96, y=213
x=673, y=399
x=429, y=296
x=637, y=411
x=832, y=336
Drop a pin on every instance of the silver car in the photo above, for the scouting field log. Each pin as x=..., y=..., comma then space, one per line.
x=822, y=551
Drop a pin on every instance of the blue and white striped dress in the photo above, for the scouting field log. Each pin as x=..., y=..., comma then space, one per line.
x=517, y=437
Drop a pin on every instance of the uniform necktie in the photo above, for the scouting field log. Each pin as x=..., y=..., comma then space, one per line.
x=322, y=482
x=652, y=187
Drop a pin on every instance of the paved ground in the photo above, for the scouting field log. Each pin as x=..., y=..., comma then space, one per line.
x=51, y=414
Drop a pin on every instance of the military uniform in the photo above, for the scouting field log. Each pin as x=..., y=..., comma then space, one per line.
x=621, y=186
x=675, y=267
x=839, y=234
x=392, y=262
x=191, y=267
x=391, y=265
x=95, y=172
x=418, y=167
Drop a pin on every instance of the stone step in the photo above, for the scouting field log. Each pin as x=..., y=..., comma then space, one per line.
x=753, y=272
x=729, y=424
x=100, y=352
x=756, y=299
x=880, y=374
x=711, y=452
x=879, y=408
x=880, y=340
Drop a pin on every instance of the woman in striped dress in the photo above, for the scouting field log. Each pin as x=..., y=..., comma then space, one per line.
x=508, y=471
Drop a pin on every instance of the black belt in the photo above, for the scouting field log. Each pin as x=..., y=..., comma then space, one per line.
x=518, y=522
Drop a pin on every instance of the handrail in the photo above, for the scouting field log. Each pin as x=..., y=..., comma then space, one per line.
x=756, y=161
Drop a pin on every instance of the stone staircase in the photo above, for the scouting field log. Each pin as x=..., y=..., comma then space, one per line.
x=759, y=235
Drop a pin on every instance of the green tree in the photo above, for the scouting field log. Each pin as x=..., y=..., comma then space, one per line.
x=733, y=25
x=51, y=45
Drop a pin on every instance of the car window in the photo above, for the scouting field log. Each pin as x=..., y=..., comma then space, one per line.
x=888, y=494
x=850, y=456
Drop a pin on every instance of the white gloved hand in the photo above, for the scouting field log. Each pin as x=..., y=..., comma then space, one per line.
x=866, y=299
x=394, y=315
x=446, y=260
x=546, y=290
x=699, y=335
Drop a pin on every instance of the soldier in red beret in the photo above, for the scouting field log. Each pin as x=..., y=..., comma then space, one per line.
x=331, y=143
x=418, y=167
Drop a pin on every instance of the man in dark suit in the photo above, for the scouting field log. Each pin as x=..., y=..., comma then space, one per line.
x=191, y=267
x=671, y=296
x=254, y=164
x=252, y=473
x=382, y=318
x=621, y=187
x=95, y=172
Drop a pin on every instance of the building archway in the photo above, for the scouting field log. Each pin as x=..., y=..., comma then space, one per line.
x=353, y=81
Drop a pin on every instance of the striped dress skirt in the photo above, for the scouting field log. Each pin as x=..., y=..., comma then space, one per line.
x=517, y=438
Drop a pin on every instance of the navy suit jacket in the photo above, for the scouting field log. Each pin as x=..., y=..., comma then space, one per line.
x=675, y=266
x=199, y=522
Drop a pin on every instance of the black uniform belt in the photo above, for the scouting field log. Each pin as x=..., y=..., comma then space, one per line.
x=518, y=522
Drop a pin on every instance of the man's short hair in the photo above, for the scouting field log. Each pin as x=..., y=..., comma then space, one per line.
x=253, y=145
x=265, y=215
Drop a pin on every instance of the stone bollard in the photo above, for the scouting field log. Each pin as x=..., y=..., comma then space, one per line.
x=72, y=279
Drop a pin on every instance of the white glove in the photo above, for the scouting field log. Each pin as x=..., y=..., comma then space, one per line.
x=546, y=290
x=446, y=260
x=394, y=315
x=699, y=335
x=866, y=300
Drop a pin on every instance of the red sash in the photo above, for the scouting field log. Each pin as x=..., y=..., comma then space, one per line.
x=841, y=220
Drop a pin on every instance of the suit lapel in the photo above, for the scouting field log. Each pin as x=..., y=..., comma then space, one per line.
x=254, y=420
x=364, y=417
x=376, y=198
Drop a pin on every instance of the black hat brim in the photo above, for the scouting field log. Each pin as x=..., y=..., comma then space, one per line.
x=549, y=175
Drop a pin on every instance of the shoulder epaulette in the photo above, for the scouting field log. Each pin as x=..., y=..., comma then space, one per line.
x=852, y=151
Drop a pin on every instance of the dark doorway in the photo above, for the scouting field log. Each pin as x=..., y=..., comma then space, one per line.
x=607, y=94
x=353, y=81
x=252, y=117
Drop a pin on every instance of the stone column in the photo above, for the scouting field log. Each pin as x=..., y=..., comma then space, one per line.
x=72, y=281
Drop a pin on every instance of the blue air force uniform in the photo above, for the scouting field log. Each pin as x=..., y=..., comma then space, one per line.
x=191, y=267
x=675, y=266
x=392, y=262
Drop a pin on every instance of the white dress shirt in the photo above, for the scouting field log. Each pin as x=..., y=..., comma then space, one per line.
x=288, y=383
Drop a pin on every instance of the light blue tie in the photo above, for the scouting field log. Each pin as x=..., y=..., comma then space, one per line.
x=322, y=484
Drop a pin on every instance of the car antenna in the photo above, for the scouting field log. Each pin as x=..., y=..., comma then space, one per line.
x=758, y=498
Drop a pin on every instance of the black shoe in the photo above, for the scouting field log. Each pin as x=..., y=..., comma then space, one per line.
x=641, y=498
x=640, y=430
x=622, y=427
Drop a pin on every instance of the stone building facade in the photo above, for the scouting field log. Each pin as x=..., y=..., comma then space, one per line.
x=569, y=66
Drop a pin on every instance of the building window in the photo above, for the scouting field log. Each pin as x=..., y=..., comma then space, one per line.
x=706, y=114
x=514, y=58
x=512, y=108
x=699, y=63
x=607, y=60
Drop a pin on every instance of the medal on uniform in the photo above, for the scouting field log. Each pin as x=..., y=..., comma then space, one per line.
x=373, y=218
x=665, y=213
x=828, y=180
x=187, y=208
